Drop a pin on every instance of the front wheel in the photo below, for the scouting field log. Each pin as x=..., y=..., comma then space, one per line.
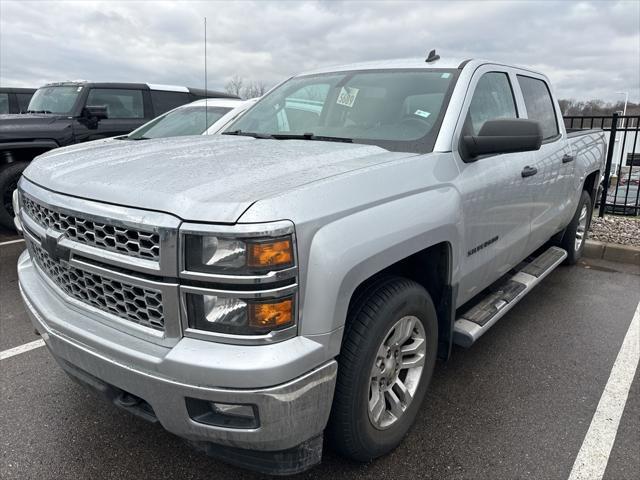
x=384, y=368
x=9, y=176
x=575, y=235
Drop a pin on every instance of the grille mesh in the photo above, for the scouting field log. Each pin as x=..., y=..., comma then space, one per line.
x=137, y=304
x=128, y=241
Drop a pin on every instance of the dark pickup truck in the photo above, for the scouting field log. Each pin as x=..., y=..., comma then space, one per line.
x=15, y=100
x=61, y=114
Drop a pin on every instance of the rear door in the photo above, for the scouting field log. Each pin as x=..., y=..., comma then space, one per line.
x=552, y=183
x=496, y=198
x=125, y=109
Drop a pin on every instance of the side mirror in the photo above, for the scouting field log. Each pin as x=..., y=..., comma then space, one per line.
x=96, y=112
x=504, y=136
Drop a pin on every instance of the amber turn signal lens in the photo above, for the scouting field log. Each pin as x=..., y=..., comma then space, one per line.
x=271, y=315
x=270, y=254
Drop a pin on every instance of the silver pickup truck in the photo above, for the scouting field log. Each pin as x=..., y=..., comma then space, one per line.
x=301, y=274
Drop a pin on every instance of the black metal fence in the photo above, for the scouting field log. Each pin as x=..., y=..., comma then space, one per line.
x=621, y=179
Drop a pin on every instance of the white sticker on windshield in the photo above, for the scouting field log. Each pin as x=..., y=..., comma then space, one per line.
x=79, y=89
x=445, y=75
x=422, y=113
x=347, y=96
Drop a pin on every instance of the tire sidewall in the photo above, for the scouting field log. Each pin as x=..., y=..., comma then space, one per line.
x=9, y=174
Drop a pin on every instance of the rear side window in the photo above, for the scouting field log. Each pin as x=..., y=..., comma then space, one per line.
x=4, y=103
x=120, y=103
x=165, y=101
x=492, y=100
x=23, y=101
x=537, y=99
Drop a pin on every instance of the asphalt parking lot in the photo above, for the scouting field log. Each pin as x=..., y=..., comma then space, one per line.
x=518, y=404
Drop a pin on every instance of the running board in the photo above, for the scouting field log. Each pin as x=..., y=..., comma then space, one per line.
x=473, y=323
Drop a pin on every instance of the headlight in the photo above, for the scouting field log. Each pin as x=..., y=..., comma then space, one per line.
x=240, y=282
x=238, y=316
x=217, y=254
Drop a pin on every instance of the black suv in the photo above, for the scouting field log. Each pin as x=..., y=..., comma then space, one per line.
x=15, y=100
x=61, y=114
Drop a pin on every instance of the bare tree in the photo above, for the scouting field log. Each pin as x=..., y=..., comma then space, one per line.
x=254, y=89
x=245, y=89
x=235, y=85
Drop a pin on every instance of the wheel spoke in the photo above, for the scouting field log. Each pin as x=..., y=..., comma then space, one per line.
x=412, y=361
x=376, y=404
x=395, y=405
x=402, y=392
x=414, y=347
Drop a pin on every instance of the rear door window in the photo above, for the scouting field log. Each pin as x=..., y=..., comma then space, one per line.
x=165, y=101
x=23, y=101
x=4, y=103
x=537, y=99
x=492, y=100
x=120, y=103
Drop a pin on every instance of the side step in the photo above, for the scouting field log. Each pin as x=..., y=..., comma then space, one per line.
x=472, y=324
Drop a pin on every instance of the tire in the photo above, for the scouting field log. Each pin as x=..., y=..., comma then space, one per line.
x=578, y=223
x=352, y=426
x=9, y=176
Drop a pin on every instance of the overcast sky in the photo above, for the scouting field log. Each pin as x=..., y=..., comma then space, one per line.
x=589, y=49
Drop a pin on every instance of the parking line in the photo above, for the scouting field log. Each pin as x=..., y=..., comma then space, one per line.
x=21, y=349
x=11, y=242
x=593, y=456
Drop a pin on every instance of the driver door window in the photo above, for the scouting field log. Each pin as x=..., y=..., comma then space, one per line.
x=120, y=103
x=492, y=99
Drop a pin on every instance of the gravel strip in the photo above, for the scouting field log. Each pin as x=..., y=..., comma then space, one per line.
x=616, y=229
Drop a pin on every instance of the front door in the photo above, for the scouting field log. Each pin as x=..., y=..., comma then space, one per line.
x=125, y=110
x=496, y=197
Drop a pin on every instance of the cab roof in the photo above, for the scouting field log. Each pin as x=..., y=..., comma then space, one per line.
x=413, y=63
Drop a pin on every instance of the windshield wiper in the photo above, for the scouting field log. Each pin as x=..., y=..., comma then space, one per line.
x=39, y=111
x=248, y=134
x=310, y=136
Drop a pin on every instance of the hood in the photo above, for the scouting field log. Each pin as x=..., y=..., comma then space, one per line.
x=198, y=178
x=31, y=125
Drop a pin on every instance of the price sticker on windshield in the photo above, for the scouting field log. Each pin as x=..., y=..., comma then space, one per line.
x=347, y=96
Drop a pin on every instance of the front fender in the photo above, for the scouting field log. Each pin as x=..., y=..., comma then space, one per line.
x=348, y=251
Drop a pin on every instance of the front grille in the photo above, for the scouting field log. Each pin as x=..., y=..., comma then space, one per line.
x=137, y=304
x=127, y=241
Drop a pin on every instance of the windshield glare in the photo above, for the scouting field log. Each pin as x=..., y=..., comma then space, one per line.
x=393, y=109
x=58, y=99
x=180, y=122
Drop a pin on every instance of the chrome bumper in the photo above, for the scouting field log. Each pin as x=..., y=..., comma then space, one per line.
x=289, y=413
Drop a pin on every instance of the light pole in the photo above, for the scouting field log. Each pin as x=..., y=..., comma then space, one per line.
x=626, y=100
x=622, y=126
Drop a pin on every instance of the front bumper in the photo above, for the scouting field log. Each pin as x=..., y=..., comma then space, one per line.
x=290, y=413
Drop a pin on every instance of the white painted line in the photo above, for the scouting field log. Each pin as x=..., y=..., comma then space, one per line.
x=21, y=349
x=11, y=242
x=593, y=456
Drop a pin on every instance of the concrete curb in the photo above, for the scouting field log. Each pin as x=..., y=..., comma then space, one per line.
x=612, y=252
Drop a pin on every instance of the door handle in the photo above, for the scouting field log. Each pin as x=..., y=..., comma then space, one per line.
x=567, y=158
x=529, y=171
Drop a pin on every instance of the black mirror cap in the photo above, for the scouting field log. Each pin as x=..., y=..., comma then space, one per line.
x=504, y=136
x=96, y=112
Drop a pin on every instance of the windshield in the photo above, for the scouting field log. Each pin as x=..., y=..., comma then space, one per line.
x=59, y=99
x=180, y=122
x=397, y=110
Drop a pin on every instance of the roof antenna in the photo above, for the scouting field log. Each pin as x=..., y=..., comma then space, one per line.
x=432, y=57
x=206, y=94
